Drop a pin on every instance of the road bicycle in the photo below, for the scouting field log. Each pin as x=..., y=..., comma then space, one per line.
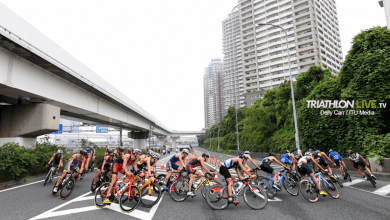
x=310, y=191
x=102, y=178
x=294, y=174
x=370, y=178
x=254, y=196
x=149, y=197
x=181, y=187
x=50, y=175
x=174, y=176
x=345, y=173
x=267, y=183
x=129, y=195
x=66, y=186
x=337, y=180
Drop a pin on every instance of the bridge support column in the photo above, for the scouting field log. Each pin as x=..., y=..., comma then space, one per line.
x=23, y=123
x=161, y=141
x=174, y=142
x=139, y=139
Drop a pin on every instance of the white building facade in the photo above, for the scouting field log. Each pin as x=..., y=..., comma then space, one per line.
x=386, y=5
x=213, y=92
x=232, y=63
x=313, y=38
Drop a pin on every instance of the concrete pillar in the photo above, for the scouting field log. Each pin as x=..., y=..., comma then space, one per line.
x=23, y=123
x=139, y=138
x=161, y=141
x=174, y=142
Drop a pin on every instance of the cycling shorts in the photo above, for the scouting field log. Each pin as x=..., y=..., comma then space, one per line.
x=225, y=172
x=172, y=166
x=267, y=168
x=357, y=164
x=72, y=167
x=117, y=167
x=285, y=160
x=189, y=169
x=304, y=169
x=337, y=162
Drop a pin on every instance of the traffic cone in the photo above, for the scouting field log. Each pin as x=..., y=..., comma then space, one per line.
x=216, y=178
x=162, y=165
x=172, y=188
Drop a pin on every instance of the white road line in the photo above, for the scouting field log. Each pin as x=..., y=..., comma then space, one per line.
x=25, y=185
x=383, y=190
x=353, y=182
x=368, y=191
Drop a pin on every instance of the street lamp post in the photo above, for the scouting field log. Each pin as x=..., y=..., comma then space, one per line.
x=292, y=88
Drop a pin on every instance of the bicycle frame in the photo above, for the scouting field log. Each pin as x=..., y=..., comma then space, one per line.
x=147, y=183
x=321, y=178
x=271, y=180
x=123, y=188
x=201, y=183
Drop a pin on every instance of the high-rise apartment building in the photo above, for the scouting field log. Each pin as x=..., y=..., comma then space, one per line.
x=313, y=38
x=213, y=92
x=386, y=4
x=232, y=63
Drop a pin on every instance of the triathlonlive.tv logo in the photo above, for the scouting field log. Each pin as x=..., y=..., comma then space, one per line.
x=344, y=105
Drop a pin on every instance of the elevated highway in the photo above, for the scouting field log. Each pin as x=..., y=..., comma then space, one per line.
x=40, y=82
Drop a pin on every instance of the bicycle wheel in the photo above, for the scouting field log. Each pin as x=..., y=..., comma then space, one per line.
x=101, y=194
x=266, y=183
x=150, y=199
x=330, y=188
x=82, y=175
x=217, y=197
x=207, y=187
x=308, y=191
x=161, y=178
x=129, y=200
x=291, y=186
x=255, y=197
x=53, y=173
x=372, y=182
x=178, y=190
x=47, y=178
x=67, y=188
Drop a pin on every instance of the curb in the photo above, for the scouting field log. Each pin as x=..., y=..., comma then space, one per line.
x=30, y=179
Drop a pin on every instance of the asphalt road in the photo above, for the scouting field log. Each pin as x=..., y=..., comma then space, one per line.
x=359, y=200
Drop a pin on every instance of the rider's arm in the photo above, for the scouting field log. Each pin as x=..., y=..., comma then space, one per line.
x=293, y=158
x=70, y=162
x=51, y=159
x=319, y=166
x=61, y=163
x=83, y=164
x=277, y=161
x=148, y=165
x=238, y=173
x=253, y=162
x=127, y=172
x=104, y=163
x=182, y=162
x=203, y=166
x=242, y=168
x=328, y=158
x=350, y=161
x=363, y=159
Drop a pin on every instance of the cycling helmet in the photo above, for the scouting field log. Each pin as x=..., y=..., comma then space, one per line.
x=59, y=152
x=247, y=152
x=206, y=155
x=295, y=149
x=148, y=152
x=271, y=154
x=330, y=151
x=286, y=151
x=186, y=151
x=121, y=149
x=156, y=155
x=317, y=151
x=137, y=151
x=308, y=153
x=242, y=156
x=351, y=152
x=109, y=151
x=83, y=152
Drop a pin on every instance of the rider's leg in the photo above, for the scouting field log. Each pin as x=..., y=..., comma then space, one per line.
x=329, y=170
x=61, y=177
x=168, y=176
x=315, y=181
x=275, y=177
x=230, y=184
x=191, y=176
x=96, y=176
x=367, y=169
x=198, y=175
x=113, y=181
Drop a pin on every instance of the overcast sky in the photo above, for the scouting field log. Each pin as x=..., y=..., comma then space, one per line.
x=155, y=51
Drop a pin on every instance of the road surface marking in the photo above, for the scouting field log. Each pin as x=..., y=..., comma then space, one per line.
x=114, y=207
x=383, y=190
x=355, y=181
x=26, y=184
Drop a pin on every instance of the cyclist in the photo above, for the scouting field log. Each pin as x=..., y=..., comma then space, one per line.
x=105, y=164
x=233, y=163
x=265, y=165
x=56, y=159
x=120, y=166
x=89, y=158
x=71, y=165
x=171, y=165
x=303, y=169
x=144, y=163
x=288, y=158
x=198, y=161
x=149, y=153
x=356, y=160
x=337, y=160
x=319, y=158
x=248, y=155
x=297, y=154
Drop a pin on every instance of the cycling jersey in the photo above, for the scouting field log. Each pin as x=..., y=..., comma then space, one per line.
x=173, y=161
x=355, y=157
x=265, y=165
x=118, y=165
x=229, y=164
x=303, y=160
x=296, y=155
x=318, y=158
x=193, y=163
x=285, y=158
x=266, y=161
x=56, y=159
x=75, y=163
